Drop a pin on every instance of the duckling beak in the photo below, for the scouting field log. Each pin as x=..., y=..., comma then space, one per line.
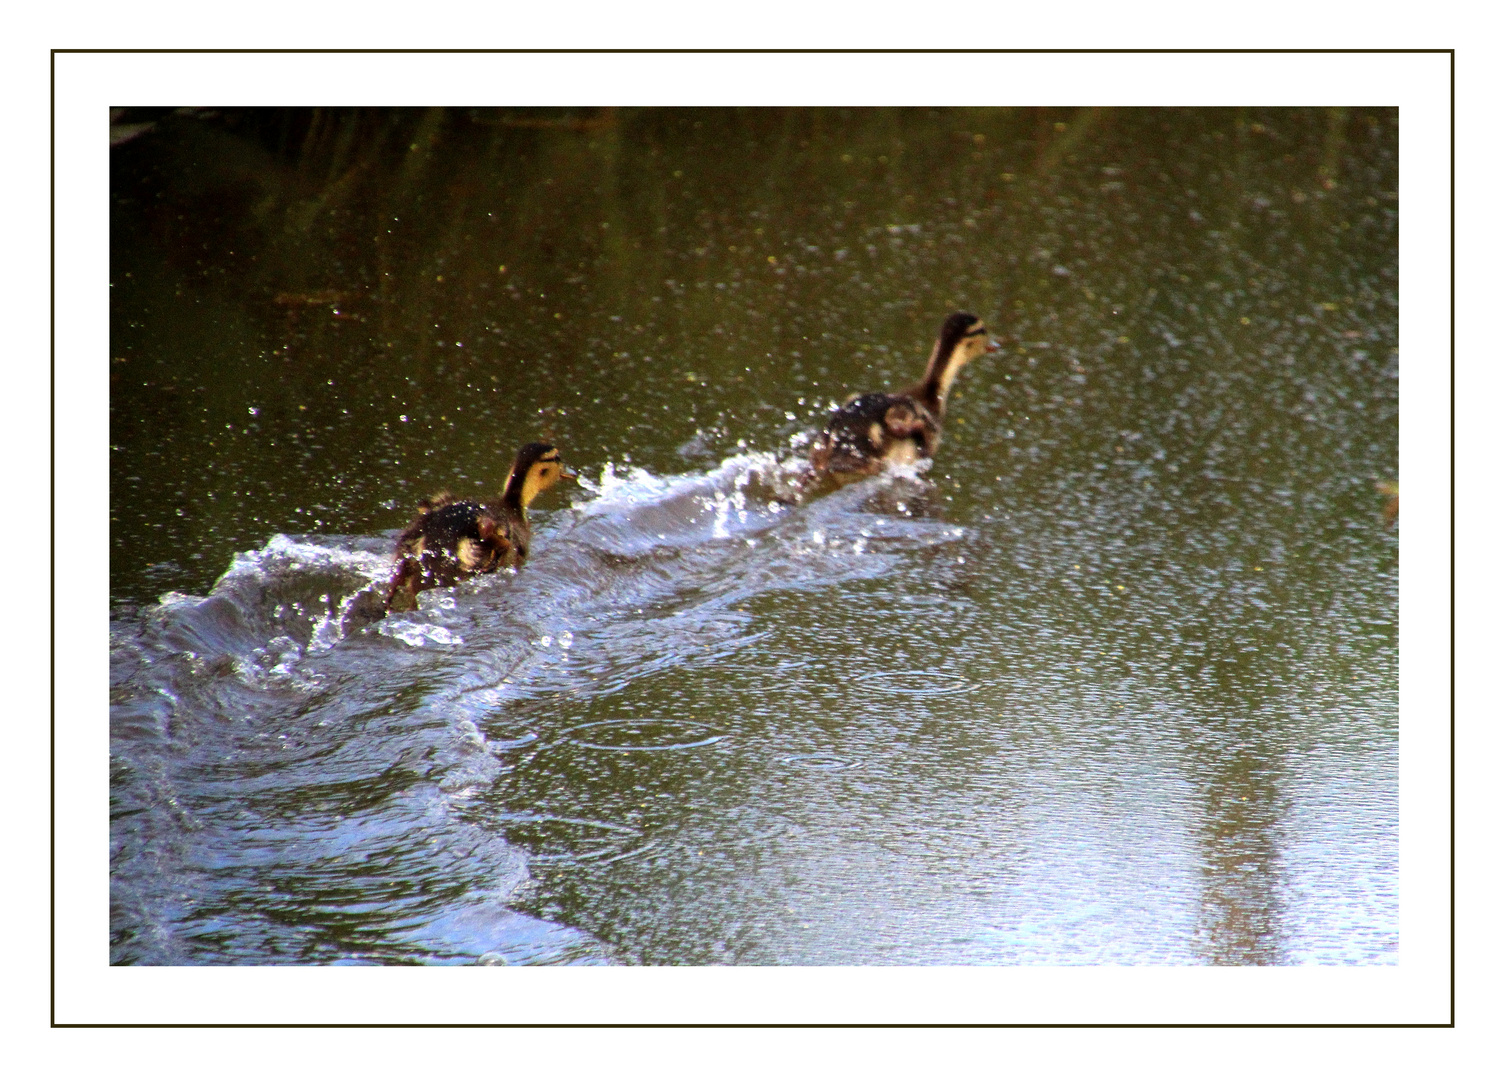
x=995, y=344
x=565, y=473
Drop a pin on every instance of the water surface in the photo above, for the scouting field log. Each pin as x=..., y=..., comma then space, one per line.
x=1114, y=682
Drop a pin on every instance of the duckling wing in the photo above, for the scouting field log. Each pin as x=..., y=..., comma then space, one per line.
x=904, y=419
x=493, y=543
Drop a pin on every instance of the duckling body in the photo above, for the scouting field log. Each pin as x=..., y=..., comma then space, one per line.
x=451, y=540
x=873, y=431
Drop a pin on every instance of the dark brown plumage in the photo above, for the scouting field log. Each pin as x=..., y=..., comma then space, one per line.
x=451, y=540
x=871, y=431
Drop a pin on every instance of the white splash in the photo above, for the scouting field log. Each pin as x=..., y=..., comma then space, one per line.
x=418, y=635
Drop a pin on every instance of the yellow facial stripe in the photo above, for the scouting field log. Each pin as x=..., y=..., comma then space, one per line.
x=539, y=477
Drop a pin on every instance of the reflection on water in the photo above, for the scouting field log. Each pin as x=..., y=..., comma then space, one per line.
x=1114, y=682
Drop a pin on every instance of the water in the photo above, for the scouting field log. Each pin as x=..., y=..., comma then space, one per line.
x=1114, y=682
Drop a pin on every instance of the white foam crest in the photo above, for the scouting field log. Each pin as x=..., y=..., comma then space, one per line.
x=636, y=486
x=418, y=635
x=307, y=555
x=328, y=630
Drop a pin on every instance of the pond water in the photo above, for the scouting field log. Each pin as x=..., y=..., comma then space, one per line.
x=1113, y=682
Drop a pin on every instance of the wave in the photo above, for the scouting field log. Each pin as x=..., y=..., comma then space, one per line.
x=277, y=689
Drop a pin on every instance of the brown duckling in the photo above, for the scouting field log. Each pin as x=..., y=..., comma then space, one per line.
x=450, y=541
x=1390, y=510
x=870, y=431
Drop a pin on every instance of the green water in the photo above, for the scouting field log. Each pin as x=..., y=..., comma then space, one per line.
x=1116, y=683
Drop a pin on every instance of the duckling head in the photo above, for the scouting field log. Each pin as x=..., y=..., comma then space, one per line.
x=965, y=336
x=537, y=468
x=962, y=338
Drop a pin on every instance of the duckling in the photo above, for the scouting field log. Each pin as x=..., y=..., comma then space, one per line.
x=1389, y=511
x=449, y=540
x=870, y=431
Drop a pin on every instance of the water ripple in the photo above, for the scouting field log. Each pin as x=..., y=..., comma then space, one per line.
x=550, y=838
x=917, y=683
x=643, y=734
x=827, y=762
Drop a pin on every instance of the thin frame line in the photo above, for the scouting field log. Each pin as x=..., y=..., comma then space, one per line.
x=778, y=52
x=712, y=51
